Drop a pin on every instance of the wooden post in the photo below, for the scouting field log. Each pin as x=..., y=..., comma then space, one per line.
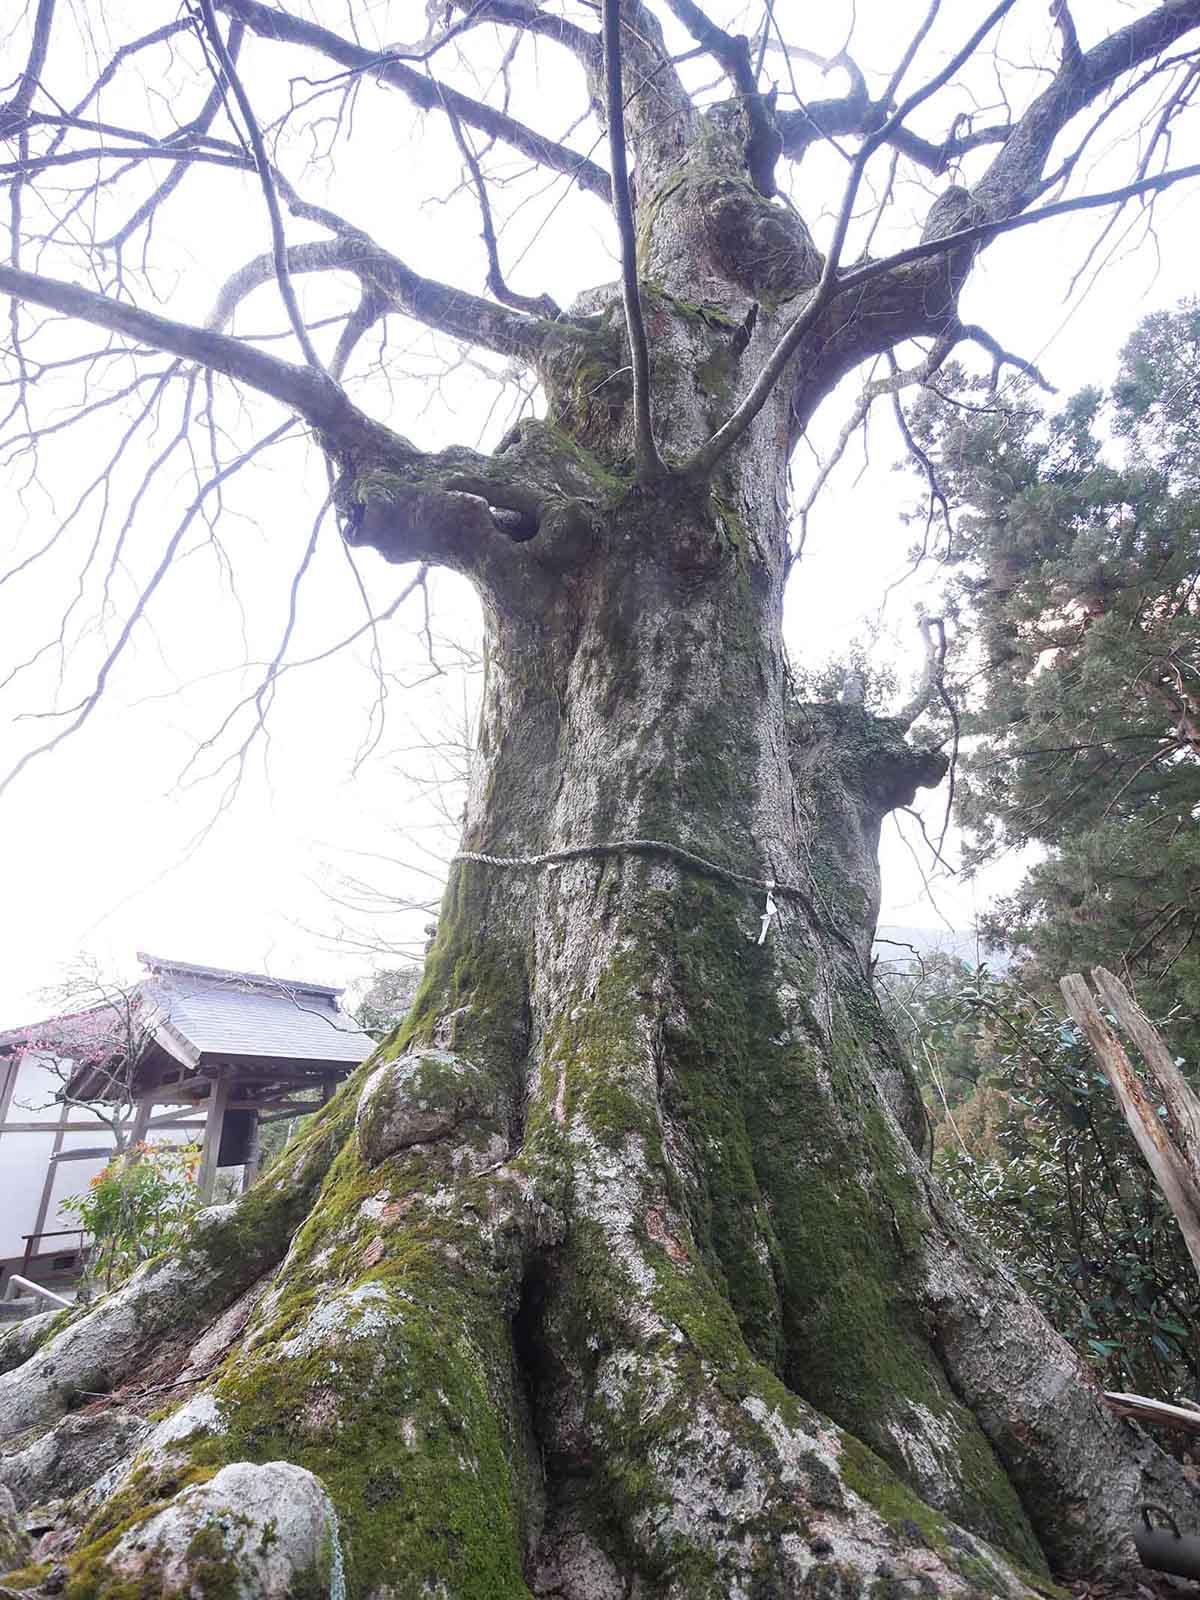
x=1172, y=1169
x=48, y=1186
x=141, y=1121
x=1183, y=1108
x=250, y=1170
x=213, y=1122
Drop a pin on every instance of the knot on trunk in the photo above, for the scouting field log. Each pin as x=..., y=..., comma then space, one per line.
x=765, y=250
x=418, y=1099
x=869, y=756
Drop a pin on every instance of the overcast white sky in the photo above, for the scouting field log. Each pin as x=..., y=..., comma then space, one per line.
x=103, y=850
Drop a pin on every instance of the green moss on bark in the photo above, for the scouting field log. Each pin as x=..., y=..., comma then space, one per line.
x=802, y=1206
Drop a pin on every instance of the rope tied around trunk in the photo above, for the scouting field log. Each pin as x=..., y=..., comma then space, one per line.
x=769, y=887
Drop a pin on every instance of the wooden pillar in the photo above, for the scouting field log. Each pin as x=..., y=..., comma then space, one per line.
x=141, y=1121
x=48, y=1186
x=213, y=1122
x=253, y=1155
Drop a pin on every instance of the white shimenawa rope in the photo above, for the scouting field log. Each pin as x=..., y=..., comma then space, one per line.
x=645, y=847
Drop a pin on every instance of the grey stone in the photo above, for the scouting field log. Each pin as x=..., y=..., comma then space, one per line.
x=71, y=1456
x=418, y=1099
x=249, y=1533
x=15, y=1544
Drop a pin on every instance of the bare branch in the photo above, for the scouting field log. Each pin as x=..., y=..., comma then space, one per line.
x=649, y=465
x=933, y=640
x=587, y=47
x=856, y=114
x=314, y=396
x=398, y=288
x=732, y=52
x=13, y=114
x=542, y=305
x=858, y=278
x=269, y=23
x=1002, y=358
x=1065, y=23
x=254, y=133
x=732, y=430
x=81, y=712
x=895, y=381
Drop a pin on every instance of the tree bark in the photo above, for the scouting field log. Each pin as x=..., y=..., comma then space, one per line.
x=616, y=1272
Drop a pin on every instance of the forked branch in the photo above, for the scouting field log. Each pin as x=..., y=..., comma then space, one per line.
x=311, y=394
x=263, y=165
x=269, y=23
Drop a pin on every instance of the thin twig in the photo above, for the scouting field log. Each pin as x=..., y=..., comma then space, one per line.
x=278, y=237
x=538, y=305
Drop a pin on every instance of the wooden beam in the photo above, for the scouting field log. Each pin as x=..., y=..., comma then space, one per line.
x=1148, y=1410
x=1183, y=1108
x=94, y=1126
x=171, y=1119
x=213, y=1122
x=8, y=1082
x=279, y=1109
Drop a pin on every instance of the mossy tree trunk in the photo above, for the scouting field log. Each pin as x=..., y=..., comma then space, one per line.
x=617, y=1272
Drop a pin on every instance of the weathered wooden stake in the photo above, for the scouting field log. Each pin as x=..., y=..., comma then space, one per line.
x=1176, y=1166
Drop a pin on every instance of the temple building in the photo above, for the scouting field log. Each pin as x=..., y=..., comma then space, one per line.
x=189, y=1054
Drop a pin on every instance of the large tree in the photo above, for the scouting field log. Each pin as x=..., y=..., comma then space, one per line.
x=617, y=1271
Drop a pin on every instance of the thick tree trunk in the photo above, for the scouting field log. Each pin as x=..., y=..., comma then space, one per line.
x=616, y=1272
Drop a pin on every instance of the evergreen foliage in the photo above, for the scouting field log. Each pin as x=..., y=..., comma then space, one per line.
x=1030, y=1142
x=1081, y=707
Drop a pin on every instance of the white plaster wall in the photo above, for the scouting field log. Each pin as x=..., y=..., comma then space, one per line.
x=24, y=1157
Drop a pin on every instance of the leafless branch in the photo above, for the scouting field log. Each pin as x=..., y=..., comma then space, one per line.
x=646, y=451
x=12, y=115
x=732, y=53
x=83, y=709
x=933, y=639
x=858, y=277
x=872, y=391
x=254, y=133
x=310, y=393
x=539, y=306
x=269, y=23
x=732, y=430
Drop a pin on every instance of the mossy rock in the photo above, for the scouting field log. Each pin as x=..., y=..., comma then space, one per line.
x=420, y=1098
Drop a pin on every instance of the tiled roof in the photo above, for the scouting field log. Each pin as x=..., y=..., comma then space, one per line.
x=160, y=966
x=216, y=1014
x=228, y=1016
